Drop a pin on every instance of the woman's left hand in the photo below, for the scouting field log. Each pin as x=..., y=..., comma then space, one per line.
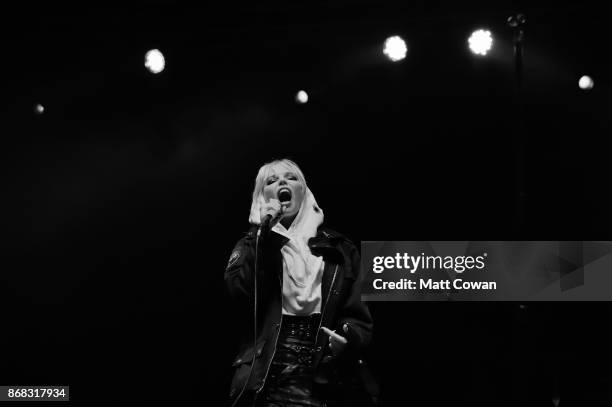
x=337, y=342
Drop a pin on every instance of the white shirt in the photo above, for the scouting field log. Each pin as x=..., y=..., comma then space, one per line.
x=302, y=274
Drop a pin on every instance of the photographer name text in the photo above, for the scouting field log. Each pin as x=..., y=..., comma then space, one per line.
x=403, y=262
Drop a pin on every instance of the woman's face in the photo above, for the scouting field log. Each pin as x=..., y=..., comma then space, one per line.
x=283, y=178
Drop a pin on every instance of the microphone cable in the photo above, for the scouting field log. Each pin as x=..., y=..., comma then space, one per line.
x=246, y=383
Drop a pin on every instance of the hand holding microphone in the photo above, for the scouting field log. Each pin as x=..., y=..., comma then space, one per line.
x=272, y=211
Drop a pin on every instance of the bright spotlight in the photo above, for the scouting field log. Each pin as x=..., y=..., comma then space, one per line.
x=301, y=97
x=39, y=109
x=480, y=42
x=395, y=48
x=154, y=61
x=586, y=82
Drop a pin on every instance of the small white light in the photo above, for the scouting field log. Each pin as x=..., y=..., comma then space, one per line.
x=39, y=109
x=301, y=97
x=395, y=48
x=586, y=82
x=480, y=42
x=154, y=61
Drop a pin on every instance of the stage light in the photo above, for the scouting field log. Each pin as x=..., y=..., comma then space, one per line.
x=395, y=48
x=39, y=109
x=154, y=61
x=301, y=97
x=586, y=83
x=480, y=42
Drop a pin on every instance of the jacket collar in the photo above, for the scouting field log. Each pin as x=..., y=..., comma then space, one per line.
x=325, y=243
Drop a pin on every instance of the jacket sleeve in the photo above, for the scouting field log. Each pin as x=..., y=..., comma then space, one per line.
x=355, y=313
x=239, y=270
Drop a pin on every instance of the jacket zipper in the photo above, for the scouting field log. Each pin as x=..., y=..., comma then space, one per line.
x=275, y=342
x=331, y=286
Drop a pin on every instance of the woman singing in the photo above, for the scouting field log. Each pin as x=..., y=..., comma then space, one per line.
x=308, y=324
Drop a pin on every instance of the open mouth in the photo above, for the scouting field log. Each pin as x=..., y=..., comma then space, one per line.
x=284, y=195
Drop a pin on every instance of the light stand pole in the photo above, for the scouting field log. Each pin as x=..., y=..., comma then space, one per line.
x=517, y=23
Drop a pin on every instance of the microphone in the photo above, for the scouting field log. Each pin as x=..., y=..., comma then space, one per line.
x=265, y=223
x=284, y=195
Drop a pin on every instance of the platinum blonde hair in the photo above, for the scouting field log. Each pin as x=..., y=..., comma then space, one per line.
x=260, y=182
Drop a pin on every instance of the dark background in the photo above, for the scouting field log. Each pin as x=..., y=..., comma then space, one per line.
x=122, y=202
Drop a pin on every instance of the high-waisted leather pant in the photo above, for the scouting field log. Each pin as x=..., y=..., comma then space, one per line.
x=290, y=381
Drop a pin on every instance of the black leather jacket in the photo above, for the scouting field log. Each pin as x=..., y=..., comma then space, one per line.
x=341, y=303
